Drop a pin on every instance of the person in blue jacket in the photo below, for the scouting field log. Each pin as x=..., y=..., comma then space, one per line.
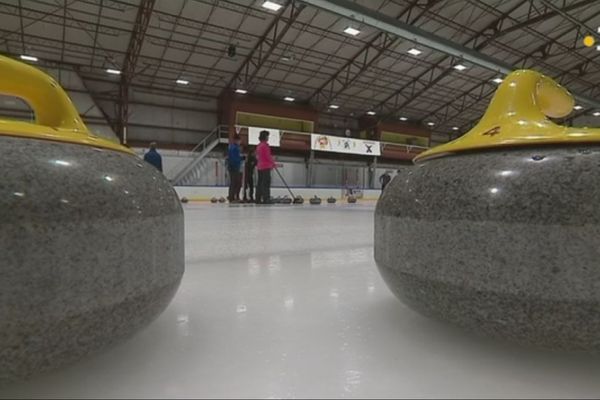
x=234, y=165
x=152, y=157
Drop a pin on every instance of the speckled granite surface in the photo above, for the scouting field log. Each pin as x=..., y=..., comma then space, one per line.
x=91, y=250
x=503, y=242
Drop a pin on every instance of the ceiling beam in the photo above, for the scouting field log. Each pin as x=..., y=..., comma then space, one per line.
x=361, y=61
x=369, y=17
x=136, y=41
x=265, y=45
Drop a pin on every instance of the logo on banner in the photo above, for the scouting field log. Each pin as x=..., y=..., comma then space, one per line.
x=322, y=143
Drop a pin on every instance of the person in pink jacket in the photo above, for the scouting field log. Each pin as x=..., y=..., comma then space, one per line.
x=265, y=164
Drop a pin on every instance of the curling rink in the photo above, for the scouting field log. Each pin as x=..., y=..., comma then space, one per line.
x=286, y=302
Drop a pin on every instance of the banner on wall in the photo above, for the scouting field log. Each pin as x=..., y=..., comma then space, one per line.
x=274, y=136
x=338, y=144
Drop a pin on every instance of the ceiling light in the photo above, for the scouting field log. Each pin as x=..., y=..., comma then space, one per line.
x=182, y=82
x=371, y=112
x=597, y=114
x=460, y=67
x=497, y=80
x=455, y=128
x=351, y=31
x=28, y=58
x=113, y=71
x=287, y=98
x=334, y=106
x=414, y=51
x=431, y=123
x=403, y=119
x=269, y=5
x=578, y=107
x=241, y=91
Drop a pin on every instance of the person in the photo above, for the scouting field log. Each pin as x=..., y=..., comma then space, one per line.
x=153, y=157
x=264, y=165
x=234, y=164
x=348, y=133
x=384, y=180
x=249, y=177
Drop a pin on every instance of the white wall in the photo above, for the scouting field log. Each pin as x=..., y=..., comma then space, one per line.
x=325, y=173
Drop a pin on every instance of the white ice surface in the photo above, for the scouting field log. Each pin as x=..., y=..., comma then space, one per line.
x=286, y=301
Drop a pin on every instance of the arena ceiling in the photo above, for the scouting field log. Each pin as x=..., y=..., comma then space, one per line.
x=303, y=52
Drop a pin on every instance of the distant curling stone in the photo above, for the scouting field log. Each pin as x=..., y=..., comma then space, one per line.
x=214, y=200
x=184, y=200
x=331, y=200
x=351, y=199
x=286, y=200
x=315, y=200
x=222, y=199
x=298, y=200
x=108, y=272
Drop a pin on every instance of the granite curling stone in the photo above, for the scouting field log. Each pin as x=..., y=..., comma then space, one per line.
x=499, y=231
x=91, y=238
x=214, y=200
x=315, y=201
x=331, y=200
x=298, y=200
x=351, y=199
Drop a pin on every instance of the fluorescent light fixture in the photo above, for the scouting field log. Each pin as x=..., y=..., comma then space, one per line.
x=288, y=98
x=29, y=58
x=460, y=67
x=455, y=128
x=182, y=82
x=431, y=123
x=351, y=31
x=414, y=51
x=597, y=114
x=334, y=106
x=241, y=91
x=578, y=107
x=371, y=112
x=269, y=5
x=497, y=80
x=113, y=71
x=403, y=119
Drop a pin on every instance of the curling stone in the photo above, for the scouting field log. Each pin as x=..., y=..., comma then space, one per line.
x=222, y=199
x=184, y=200
x=298, y=200
x=351, y=199
x=286, y=200
x=214, y=200
x=315, y=200
x=499, y=230
x=331, y=200
x=91, y=240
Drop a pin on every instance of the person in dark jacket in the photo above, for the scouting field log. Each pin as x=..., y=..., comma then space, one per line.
x=249, y=167
x=152, y=157
x=234, y=164
x=384, y=180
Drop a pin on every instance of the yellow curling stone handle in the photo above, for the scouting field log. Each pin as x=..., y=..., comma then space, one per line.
x=519, y=115
x=56, y=118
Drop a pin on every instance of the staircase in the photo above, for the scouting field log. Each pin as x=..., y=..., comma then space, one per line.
x=195, y=169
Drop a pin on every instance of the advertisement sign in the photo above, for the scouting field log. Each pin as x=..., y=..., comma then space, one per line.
x=338, y=144
x=274, y=136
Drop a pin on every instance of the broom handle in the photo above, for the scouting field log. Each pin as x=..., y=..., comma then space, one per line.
x=285, y=183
